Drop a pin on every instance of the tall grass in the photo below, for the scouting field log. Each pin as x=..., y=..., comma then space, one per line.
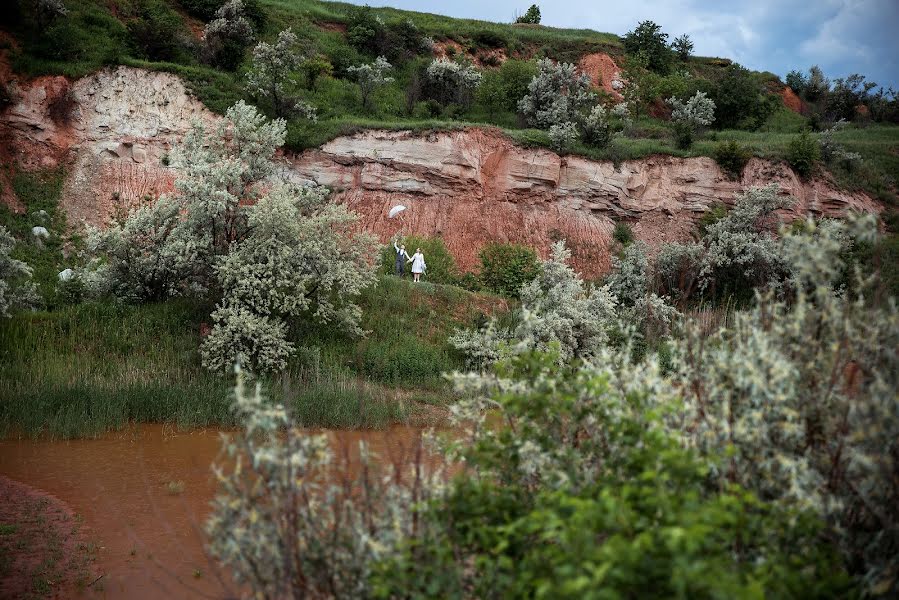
x=85, y=369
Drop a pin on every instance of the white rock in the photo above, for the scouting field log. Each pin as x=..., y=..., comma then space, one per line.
x=66, y=275
x=40, y=232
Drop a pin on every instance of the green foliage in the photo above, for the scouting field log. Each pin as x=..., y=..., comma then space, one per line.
x=531, y=15
x=732, y=157
x=40, y=192
x=803, y=152
x=650, y=42
x=683, y=47
x=441, y=264
x=157, y=32
x=507, y=267
x=741, y=100
x=623, y=234
x=585, y=492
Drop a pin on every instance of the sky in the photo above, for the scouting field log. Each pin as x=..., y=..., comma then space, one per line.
x=841, y=36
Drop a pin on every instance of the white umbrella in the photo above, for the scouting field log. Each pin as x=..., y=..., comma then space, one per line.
x=395, y=211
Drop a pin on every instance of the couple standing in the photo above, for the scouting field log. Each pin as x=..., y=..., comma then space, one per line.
x=417, y=260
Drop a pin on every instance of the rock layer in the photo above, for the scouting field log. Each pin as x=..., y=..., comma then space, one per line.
x=112, y=131
x=475, y=186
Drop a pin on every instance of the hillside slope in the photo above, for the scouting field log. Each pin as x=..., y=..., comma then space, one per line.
x=468, y=186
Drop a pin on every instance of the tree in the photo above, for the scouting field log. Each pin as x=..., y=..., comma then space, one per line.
x=298, y=259
x=503, y=88
x=683, y=46
x=452, y=82
x=818, y=85
x=531, y=15
x=371, y=77
x=16, y=288
x=557, y=94
x=648, y=40
x=228, y=35
x=272, y=75
x=698, y=111
x=638, y=85
x=797, y=82
x=741, y=100
x=171, y=247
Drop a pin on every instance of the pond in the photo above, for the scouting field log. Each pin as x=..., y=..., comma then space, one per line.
x=144, y=494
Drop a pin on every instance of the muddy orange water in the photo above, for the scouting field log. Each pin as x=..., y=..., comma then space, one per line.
x=144, y=494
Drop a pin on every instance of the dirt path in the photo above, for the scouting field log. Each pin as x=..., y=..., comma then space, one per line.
x=43, y=551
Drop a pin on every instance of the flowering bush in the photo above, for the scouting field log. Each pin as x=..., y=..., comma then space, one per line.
x=299, y=259
x=562, y=135
x=271, y=75
x=558, y=94
x=227, y=36
x=371, y=77
x=698, y=111
x=451, y=81
x=602, y=124
x=16, y=288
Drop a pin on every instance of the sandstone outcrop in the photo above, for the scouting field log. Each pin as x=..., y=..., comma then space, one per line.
x=469, y=186
x=475, y=186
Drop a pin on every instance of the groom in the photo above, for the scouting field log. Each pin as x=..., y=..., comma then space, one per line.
x=401, y=257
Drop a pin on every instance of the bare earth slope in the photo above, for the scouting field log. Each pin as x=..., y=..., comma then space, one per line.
x=469, y=187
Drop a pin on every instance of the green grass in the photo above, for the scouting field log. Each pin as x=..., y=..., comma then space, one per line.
x=93, y=367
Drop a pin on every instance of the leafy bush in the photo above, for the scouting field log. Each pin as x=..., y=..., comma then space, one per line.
x=698, y=111
x=370, y=77
x=602, y=124
x=16, y=289
x=803, y=152
x=741, y=100
x=623, y=234
x=157, y=32
x=557, y=94
x=732, y=157
x=450, y=82
x=227, y=37
x=441, y=264
x=648, y=40
x=489, y=38
x=507, y=267
x=272, y=75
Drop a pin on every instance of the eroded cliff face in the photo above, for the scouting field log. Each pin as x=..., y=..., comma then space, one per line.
x=113, y=129
x=475, y=186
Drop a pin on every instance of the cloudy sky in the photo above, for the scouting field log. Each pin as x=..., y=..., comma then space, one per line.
x=842, y=36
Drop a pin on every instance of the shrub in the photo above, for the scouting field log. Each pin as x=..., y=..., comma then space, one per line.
x=228, y=35
x=741, y=100
x=623, y=234
x=441, y=266
x=732, y=157
x=370, y=77
x=602, y=124
x=489, y=38
x=16, y=288
x=315, y=68
x=272, y=76
x=451, y=82
x=803, y=152
x=557, y=94
x=698, y=111
x=531, y=15
x=648, y=40
x=562, y=135
x=157, y=32
x=298, y=260
x=507, y=267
